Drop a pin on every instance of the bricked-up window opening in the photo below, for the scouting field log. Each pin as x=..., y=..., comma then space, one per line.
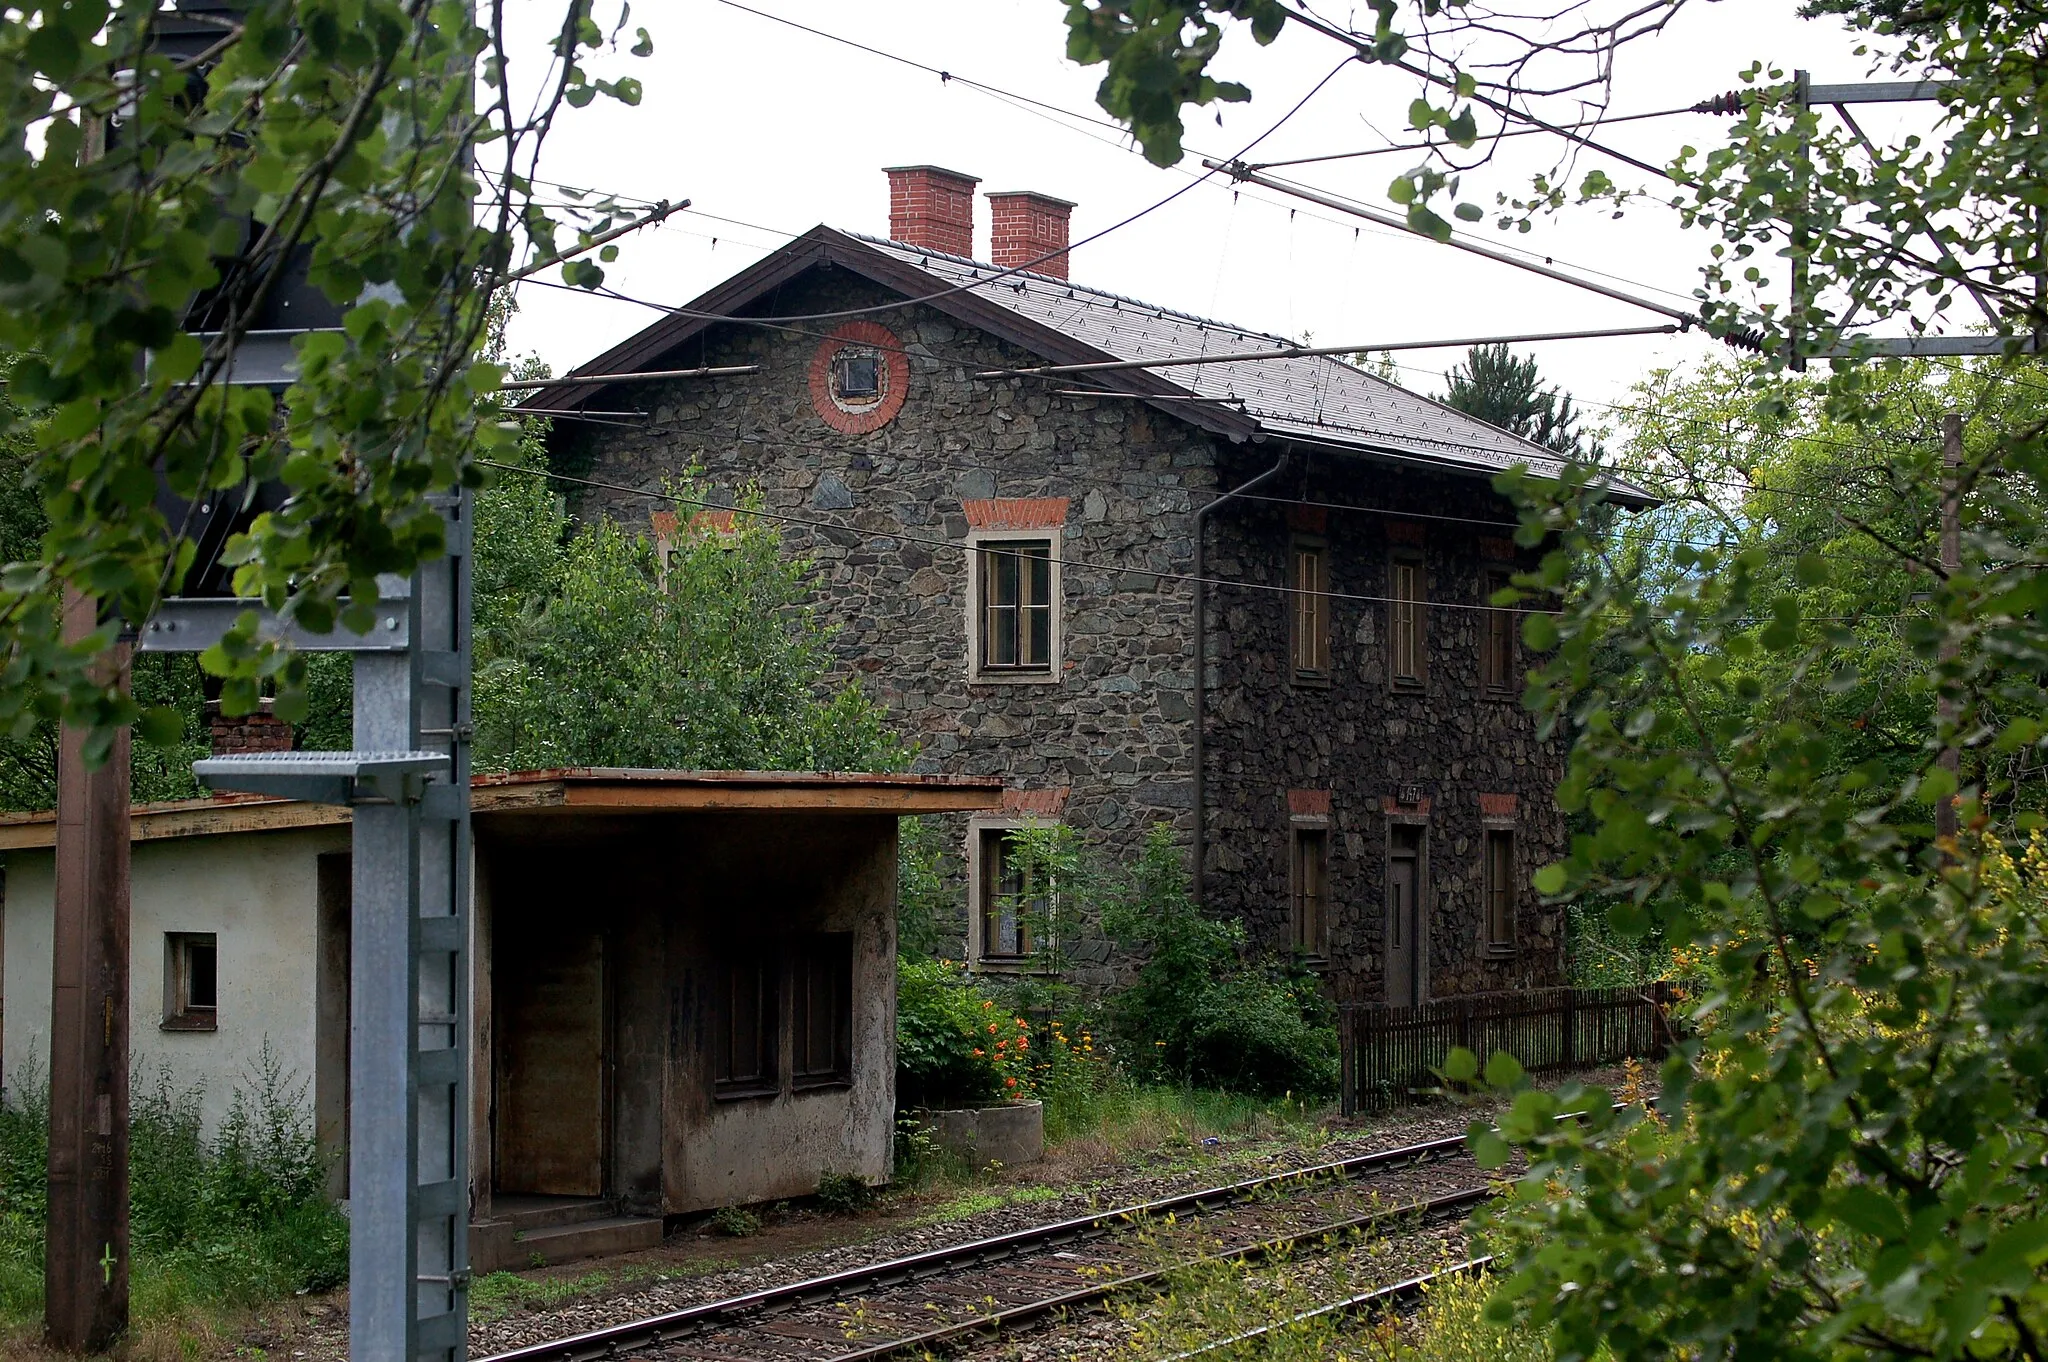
x=1496, y=640
x=821, y=1012
x=1016, y=607
x=1500, y=890
x=1310, y=877
x=1009, y=900
x=856, y=376
x=743, y=1031
x=1405, y=623
x=191, y=981
x=1311, y=583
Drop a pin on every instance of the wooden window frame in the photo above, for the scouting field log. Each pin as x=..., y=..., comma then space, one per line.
x=984, y=547
x=1499, y=657
x=181, y=976
x=1500, y=886
x=1308, y=632
x=825, y=957
x=726, y=1084
x=981, y=833
x=1308, y=928
x=1410, y=613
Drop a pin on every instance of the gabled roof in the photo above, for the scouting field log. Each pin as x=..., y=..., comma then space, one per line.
x=1322, y=400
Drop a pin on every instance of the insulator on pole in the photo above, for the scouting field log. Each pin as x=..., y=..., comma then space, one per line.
x=1729, y=103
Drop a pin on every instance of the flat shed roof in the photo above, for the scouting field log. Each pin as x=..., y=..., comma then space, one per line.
x=585, y=789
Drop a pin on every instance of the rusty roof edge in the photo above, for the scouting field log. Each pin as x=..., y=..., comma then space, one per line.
x=576, y=775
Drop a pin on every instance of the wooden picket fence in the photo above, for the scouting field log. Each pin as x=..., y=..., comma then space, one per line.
x=1390, y=1053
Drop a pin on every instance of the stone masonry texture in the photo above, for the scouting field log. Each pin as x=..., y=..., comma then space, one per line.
x=1114, y=731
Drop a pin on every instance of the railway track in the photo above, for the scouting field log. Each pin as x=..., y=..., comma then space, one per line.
x=947, y=1297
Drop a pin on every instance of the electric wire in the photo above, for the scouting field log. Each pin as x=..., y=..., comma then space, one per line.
x=1029, y=265
x=1079, y=565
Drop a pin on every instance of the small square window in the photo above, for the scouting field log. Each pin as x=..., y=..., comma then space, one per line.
x=191, y=981
x=857, y=376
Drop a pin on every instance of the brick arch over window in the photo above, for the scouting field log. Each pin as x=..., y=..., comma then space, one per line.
x=894, y=372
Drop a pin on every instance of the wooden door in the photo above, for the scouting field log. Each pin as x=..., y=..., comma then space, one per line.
x=1404, y=917
x=550, y=1062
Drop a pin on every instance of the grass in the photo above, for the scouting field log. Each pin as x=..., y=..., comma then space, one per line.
x=1125, y=1119
x=219, y=1222
x=980, y=1201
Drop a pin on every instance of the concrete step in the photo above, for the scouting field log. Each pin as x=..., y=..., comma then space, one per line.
x=587, y=1239
x=542, y=1212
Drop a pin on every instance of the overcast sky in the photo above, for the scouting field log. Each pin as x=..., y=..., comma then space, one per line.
x=762, y=124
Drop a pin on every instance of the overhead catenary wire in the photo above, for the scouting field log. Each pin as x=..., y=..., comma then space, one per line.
x=1027, y=266
x=1320, y=352
x=1074, y=564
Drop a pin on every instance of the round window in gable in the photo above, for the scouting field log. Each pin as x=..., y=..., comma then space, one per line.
x=859, y=377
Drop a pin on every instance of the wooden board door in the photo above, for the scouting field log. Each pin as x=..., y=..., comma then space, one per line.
x=1404, y=918
x=550, y=1062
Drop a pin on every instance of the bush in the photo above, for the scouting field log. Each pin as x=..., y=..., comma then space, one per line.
x=941, y=1058
x=1198, y=1013
x=232, y=1220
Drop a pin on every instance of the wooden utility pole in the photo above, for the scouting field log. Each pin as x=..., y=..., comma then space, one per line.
x=1951, y=563
x=85, y=1254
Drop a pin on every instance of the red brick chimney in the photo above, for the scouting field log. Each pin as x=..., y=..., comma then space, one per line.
x=1023, y=226
x=932, y=208
x=258, y=732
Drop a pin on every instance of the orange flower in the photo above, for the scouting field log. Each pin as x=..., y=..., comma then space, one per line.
x=991, y=1028
x=986, y=1004
x=1009, y=1082
x=977, y=1054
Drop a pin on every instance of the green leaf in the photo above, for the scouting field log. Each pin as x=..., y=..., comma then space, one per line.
x=1460, y=1065
x=1489, y=1150
x=1422, y=115
x=1866, y=1210
x=1549, y=880
x=1469, y=212
x=160, y=726
x=1503, y=1070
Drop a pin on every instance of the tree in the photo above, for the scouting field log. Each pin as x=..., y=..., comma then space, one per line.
x=597, y=647
x=158, y=203
x=1507, y=392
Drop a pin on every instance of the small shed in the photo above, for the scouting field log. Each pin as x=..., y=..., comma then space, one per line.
x=683, y=981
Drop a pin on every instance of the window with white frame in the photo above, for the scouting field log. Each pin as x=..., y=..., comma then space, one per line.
x=1010, y=907
x=1013, y=605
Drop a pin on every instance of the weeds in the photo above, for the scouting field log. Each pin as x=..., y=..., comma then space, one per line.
x=735, y=1222
x=843, y=1193
x=228, y=1220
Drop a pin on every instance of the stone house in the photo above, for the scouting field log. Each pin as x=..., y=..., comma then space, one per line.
x=1027, y=540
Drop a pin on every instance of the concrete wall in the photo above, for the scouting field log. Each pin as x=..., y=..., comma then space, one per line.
x=669, y=894
x=257, y=892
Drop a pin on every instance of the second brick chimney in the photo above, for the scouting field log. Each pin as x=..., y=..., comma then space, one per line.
x=258, y=732
x=1025, y=226
x=933, y=208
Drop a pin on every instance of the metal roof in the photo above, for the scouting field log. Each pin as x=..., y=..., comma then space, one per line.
x=1320, y=399
x=1316, y=398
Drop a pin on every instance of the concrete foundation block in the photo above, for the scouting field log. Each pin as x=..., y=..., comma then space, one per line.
x=1010, y=1134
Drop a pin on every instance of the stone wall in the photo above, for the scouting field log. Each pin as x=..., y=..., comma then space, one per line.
x=1115, y=729
x=1115, y=726
x=1363, y=741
